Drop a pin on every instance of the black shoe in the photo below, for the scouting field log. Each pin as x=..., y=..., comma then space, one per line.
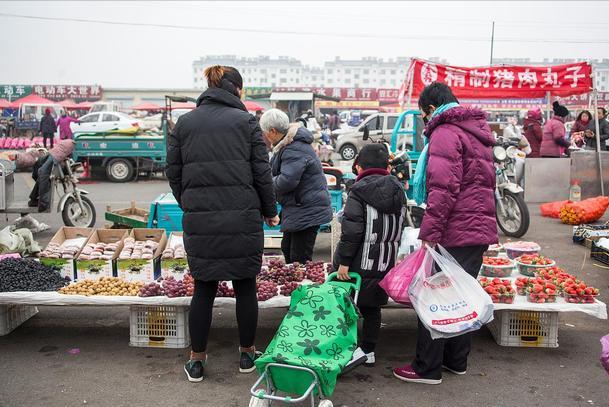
x=32, y=203
x=246, y=363
x=194, y=370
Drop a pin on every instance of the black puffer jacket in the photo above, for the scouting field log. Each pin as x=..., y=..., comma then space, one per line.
x=47, y=124
x=372, y=226
x=300, y=184
x=219, y=173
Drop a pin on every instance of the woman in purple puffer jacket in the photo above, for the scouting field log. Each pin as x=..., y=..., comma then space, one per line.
x=460, y=214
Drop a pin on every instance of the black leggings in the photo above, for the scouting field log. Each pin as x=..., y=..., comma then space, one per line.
x=298, y=246
x=371, y=327
x=201, y=308
x=46, y=136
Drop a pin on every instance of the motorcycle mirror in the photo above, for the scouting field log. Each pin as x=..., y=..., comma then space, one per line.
x=366, y=135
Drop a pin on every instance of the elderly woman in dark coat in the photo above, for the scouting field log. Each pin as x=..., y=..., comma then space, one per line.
x=300, y=185
x=219, y=173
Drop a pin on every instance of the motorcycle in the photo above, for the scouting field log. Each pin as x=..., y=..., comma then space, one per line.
x=75, y=207
x=511, y=210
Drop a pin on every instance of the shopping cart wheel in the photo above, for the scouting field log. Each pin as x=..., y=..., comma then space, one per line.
x=325, y=403
x=256, y=402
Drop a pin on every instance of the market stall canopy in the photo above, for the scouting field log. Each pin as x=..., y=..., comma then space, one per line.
x=252, y=106
x=33, y=98
x=69, y=104
x=503, y=81
x=147, y=106
x=4, y=104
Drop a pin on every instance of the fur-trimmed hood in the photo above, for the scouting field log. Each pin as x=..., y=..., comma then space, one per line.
x=295, y=132
x=471, y=120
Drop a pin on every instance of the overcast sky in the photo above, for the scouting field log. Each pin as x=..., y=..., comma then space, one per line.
x=70, y=52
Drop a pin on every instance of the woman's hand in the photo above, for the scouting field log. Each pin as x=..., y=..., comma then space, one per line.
x=429, y=245
x=272, y=222
x=343, y=273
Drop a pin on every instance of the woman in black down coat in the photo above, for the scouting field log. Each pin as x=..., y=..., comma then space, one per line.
x=218, y=170
x=300, y=185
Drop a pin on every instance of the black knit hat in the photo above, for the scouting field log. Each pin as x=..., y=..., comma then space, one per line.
x=373, y=156
x=559, y=110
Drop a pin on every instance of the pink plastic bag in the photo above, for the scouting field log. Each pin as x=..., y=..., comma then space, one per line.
x=398, y=279
x=605, y=352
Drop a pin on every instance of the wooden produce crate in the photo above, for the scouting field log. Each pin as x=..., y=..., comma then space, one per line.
x=132, y=217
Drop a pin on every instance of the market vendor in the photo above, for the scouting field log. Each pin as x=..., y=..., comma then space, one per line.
x=218, y=170
x=603, y=126
x=300, y=185
x=41, y=193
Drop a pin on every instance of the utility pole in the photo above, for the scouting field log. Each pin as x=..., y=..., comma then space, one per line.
x=492, y=41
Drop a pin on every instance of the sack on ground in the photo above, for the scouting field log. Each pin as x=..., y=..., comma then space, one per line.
x=450, y=302
x=552, y=209
x=398, y=279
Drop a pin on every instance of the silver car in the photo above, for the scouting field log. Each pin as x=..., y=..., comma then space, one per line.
x=380, y=126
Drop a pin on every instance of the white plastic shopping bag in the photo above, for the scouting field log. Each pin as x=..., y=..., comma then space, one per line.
x=410, y=242
x=450, y=302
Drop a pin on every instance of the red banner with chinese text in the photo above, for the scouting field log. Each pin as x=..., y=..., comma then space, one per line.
x=500, y=81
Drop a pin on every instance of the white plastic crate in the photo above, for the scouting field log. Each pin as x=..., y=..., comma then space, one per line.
x=11, y=316
x=159, y=327
x=525, y=328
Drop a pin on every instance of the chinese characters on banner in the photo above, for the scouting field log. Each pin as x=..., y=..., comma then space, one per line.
x=78, y=93
x=75, y=92
x=361, y=94
x=500, y=81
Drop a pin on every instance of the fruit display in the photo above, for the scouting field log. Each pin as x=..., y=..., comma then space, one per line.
x=266, y=290
x=542, y=292
x=60, y=251
x=497, y=267
x=522, y=285
x=531, y=264
x=517, y=249
x=18, y=274
x=288, y=288
x=280, y=273
x=104, y=286
x=315, y=271
x=494, y=250
x=175, y=252
x=137, y=249
x=224, y=290
x=500, y=290
x=189, y=282
x=98, y=251
x=152, y=289
x=587, y=211
x=577, y=292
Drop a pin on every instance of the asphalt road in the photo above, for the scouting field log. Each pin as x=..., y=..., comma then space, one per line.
x=36, y=368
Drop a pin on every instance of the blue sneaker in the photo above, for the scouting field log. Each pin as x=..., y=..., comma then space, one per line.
x=194, y=370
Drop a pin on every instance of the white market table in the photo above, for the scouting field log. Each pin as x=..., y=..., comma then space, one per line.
x=163, y=322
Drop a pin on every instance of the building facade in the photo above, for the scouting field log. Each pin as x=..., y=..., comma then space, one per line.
x=263, y=71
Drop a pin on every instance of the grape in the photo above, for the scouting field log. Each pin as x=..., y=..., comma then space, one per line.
x=28, y=275
x=280, y=273
x=174, y=288
x=315, y=271
x=288, y=288
x=224, y=290
x=152, y=289
x=266, y=290
x=189, y=283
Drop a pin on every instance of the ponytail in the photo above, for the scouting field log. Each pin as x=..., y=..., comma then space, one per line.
x=214, y=75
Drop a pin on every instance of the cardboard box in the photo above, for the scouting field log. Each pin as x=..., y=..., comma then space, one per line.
x=95, y=269
x=174, y=267
x=76, y=236
x=143, y=269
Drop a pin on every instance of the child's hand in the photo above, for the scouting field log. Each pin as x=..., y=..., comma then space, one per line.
x=343, y=273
